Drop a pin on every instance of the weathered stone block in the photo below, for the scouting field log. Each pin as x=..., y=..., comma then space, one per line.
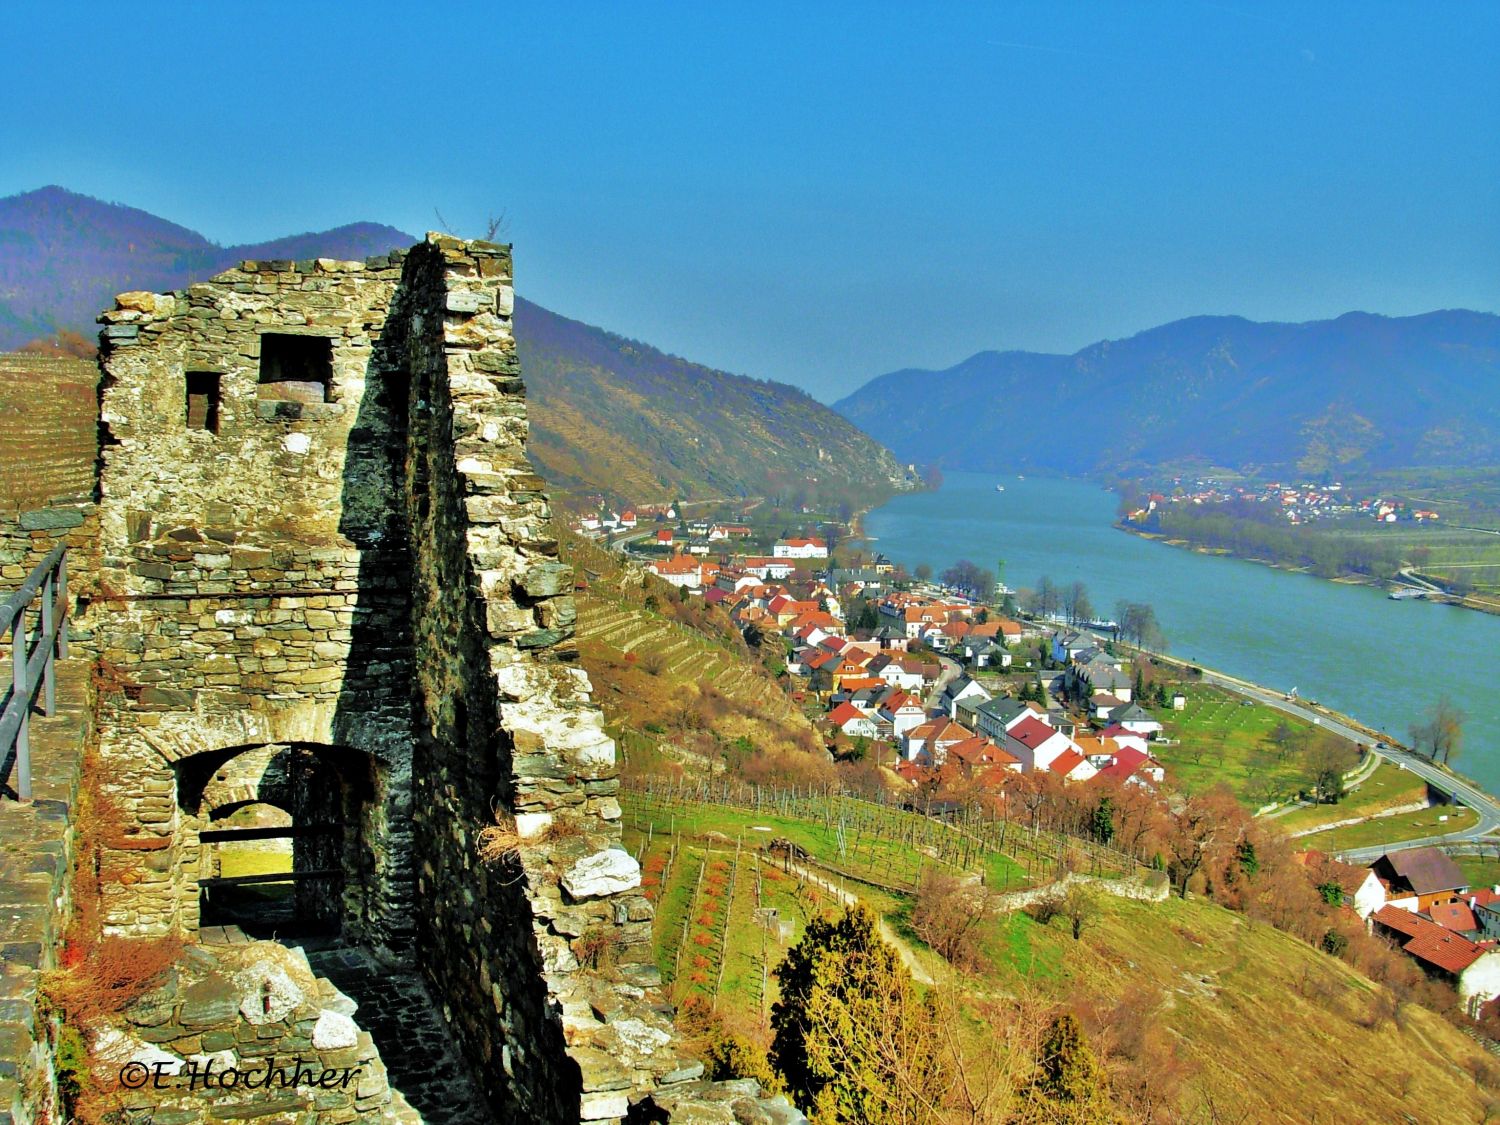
x=51, y=519
x=605, y=873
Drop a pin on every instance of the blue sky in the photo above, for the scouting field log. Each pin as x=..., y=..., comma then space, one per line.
x=815, y=193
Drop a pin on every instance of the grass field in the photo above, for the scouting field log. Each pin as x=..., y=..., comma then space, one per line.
x=1220, y=738
x=1247, y=1016
x=1392, y=829
x=1262, y=1022
x=1387, y=788
x=1481, y=871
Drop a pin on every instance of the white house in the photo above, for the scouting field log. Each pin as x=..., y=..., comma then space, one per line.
x=680, y=570
x=903, y=713
x=1036, y=745
x=996, y=717
x=852, y=721
x=1134, y=718
x=1480, y=982
x=764, y=568
x=897, y=675
x=809, y=548
x=931, y=740
x=962, y=689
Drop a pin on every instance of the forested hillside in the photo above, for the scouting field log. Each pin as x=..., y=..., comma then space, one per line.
x=1360, y=392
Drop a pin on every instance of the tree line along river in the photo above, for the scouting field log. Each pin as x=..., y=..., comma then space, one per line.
x=1349, y=647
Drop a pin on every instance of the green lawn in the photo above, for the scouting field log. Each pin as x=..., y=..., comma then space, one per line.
x=1392, y=829
x=885, y=845
x=1219, y=738
x=1387, y=788
x=1481, y=871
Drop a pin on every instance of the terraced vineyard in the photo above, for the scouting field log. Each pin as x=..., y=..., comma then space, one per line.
x=726, y=916
x=628, y=630
x=47, y=409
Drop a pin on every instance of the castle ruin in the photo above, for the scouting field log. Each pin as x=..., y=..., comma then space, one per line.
x=325, y=589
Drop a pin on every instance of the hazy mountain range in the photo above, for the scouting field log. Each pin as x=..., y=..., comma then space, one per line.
x=608, y=414
x=1361, y=391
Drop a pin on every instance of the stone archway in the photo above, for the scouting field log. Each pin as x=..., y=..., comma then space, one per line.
x=345, y=878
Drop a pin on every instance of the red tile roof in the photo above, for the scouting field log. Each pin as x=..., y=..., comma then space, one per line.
x=1446, y=950
x=1065, y=762
x=1428, y=941
x=1453, y=916
x=843, y=713
x=1031, y=733
x=900, y=699
x=1394, y=918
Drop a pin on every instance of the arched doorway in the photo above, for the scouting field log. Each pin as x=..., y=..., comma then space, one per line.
x=284, y=836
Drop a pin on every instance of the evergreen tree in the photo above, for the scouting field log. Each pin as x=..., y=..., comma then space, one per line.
x=1244, y=855
x=850, y=1039
x=1104, y=820
x=1069, y=1084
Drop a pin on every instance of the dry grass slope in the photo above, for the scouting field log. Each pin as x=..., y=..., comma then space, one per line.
x=675, y=671
x=1269, y=1029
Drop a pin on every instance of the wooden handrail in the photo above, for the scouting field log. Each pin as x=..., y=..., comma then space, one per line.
x=34, y=656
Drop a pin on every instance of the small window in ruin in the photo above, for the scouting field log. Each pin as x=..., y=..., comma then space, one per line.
x=203, y=401
x=295, y=368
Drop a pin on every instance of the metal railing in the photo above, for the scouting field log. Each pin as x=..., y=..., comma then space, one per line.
x=33, y=657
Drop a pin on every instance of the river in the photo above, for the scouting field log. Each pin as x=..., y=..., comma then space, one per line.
x=1349, y=647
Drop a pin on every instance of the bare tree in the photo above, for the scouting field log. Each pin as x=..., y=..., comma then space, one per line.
x=1048, y=597
x=946, y=915
x=1441, y=736
x=1081, y=907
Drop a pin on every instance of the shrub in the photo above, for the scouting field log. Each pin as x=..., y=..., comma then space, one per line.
x=598, y=947
x=108, y=975
x=732, y=1056
x=1046, y=908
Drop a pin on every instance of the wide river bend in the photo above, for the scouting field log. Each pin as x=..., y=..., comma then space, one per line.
x=1349, y=647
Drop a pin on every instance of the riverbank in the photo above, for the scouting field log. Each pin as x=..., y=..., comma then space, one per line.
x=1476, y=602
x=1345, y=645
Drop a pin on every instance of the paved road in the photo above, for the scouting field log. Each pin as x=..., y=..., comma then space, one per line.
x=950, y=672
x=1465, y=792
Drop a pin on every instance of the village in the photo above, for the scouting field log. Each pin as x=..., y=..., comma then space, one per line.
x=953, y=699
x=1299, y=503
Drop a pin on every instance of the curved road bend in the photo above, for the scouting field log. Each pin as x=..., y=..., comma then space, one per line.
x=1466, y=792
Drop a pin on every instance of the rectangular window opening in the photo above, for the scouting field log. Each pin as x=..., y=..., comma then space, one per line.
x=203, y=401
x=295, y=368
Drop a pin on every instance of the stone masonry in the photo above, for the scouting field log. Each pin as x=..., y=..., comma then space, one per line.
x=328, y=582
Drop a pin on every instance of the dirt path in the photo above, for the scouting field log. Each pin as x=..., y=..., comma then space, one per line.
x=903, y=949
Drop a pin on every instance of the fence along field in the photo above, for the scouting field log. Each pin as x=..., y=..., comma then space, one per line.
x=705, y=850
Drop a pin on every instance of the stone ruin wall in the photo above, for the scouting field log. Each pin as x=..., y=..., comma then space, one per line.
x=252, y=581
x=375, y=575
